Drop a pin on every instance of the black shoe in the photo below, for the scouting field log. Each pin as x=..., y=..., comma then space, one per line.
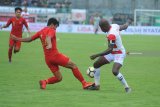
x=93, y=87
x=128, y=90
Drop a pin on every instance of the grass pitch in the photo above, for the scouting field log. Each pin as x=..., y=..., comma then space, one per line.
x=19, y=80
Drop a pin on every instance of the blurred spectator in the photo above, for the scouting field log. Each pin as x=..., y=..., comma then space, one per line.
x=60, y=6
x=63, y=7
x=24, y=2
x=35, y=3
x=91, y=20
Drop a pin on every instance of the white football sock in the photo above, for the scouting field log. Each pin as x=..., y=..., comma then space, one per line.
x=122, y=79
x=97, y=76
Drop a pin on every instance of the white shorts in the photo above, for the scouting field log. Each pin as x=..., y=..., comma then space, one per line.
x=118, y=58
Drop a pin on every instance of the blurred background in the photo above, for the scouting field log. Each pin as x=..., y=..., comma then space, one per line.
x=144, y=12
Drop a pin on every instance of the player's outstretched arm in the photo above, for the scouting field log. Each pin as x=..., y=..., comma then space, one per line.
x=28, y=39
x=125, y=26
x=109, y=50
x=26, y=25
x=4, y=26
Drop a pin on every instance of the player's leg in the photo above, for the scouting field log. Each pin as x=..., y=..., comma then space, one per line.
x=118, y=62
x=11, y=45
x=96, y=30
x=97, y=64
x=17, y=46
x=77, y=74
x=54, y=79
x=64, y=61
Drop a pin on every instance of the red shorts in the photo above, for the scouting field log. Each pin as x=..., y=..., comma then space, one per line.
x=54, y=62
x=14, y=43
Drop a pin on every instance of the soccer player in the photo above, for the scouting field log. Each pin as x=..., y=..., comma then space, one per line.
x=96, y=23
x=25, y=15
x=17, y=25
x=53, y=57
x=115, y=52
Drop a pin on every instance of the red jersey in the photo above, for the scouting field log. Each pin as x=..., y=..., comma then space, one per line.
x=17, y=25
x=42, y=34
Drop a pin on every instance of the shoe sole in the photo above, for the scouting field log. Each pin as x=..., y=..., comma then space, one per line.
x=86, y=87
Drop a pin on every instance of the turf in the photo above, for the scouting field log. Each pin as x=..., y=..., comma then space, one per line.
x=19, y=80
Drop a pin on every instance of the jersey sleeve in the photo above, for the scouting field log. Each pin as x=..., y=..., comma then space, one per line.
x=37, y=35
x=111, y=38
x=9, y=22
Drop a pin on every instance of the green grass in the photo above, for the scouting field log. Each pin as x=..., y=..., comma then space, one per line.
x=19, y=80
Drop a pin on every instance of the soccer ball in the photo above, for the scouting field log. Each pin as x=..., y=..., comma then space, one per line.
x=90, y=72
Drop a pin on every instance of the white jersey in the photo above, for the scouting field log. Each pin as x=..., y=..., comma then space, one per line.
x=114, y=35
x=25, y=15
x=96, y=21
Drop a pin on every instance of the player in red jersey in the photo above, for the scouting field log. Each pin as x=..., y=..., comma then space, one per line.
x=17, y=25
x=53, y=57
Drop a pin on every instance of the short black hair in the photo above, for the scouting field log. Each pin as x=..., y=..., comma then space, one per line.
x=104, y=22
x=18, y=8
x=53, y=21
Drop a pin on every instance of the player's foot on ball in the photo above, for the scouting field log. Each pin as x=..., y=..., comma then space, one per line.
x=128, y=89
x=42, y=84
x=94, y=87
x=87, y=84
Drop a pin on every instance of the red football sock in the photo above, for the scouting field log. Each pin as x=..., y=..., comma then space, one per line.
x=78, y=74
x=10, y=54
x=52, y=80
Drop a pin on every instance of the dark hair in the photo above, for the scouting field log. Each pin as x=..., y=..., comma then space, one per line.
x=18, y=8
x=53, y=21
x=103, y=22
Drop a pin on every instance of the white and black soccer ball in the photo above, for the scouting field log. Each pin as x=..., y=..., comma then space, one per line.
x=90, y=72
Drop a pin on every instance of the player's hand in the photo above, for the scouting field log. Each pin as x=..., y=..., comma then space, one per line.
x=93, y=57
x=48, y=47
x=29, y=32
x=14, y=37
x=129, y=20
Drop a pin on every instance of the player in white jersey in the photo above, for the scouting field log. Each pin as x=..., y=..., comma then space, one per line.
x=25, y=15
x=115, y=52
x=96, y=23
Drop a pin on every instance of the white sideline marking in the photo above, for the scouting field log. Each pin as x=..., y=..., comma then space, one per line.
x=135, y=53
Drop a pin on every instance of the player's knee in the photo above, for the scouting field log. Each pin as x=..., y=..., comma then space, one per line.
x=115, y=72
x=72, y=65
x=59, y=79
x=96, y=65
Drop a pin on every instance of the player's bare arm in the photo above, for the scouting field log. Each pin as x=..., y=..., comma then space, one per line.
x=26, y=25
x=125, y=26
x=107, y=51
x=49, y=43
x=28, y=29
x=28, y=39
